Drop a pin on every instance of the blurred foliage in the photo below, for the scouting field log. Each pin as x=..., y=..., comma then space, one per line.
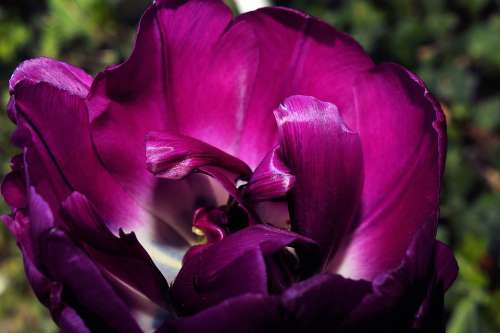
x=453, y=45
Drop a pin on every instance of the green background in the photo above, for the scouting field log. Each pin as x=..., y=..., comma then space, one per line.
x=453, y=45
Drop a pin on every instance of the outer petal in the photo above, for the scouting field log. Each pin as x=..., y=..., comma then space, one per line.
x=430, y=316
x=13, y=185
x=83, y=281
x=399, y=295
x=53, y=263
x=122, y=256
x=53, y=128
x=325, y=157
x=403, y=141
x=49, y=104
x=297, y=55
x=233, y=266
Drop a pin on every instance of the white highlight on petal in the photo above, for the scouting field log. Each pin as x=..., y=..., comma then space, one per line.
x=249, y=5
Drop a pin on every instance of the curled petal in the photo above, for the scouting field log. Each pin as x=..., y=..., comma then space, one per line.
x=271, y=180
x=174, y=156
x=325, y=157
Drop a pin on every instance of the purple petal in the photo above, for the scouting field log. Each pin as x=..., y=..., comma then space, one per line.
x=430, y=316
x=53, y=131
x=248, y=313
x=234, y=266
x=122, y=256
x=122, y=111
x=13, y=187
x=83, y=281
x=397, y=294
x=58, y=121
x=325, y=157
x=166, y=66
x=403, y=140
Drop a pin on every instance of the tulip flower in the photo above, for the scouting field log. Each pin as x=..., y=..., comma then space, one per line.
x=256, y=173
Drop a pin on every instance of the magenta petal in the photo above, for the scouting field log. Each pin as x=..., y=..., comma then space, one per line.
x=271, y=180
x=402, y=133
x=297, y=55
x=325, y=157
x=122, y=256
x=123, y=110
x=174, y=156
x=153, y=91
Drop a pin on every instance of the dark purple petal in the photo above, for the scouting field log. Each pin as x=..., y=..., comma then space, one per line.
x=247, y=313
x=323, y=302
x=85, y=284
x=233, y=266
x=67, y=318
x=122, y=256
x=325, y=157
x=446, y=265
x=430, y=316
x=403, y=140
x=63, y=277
x=297, y=55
